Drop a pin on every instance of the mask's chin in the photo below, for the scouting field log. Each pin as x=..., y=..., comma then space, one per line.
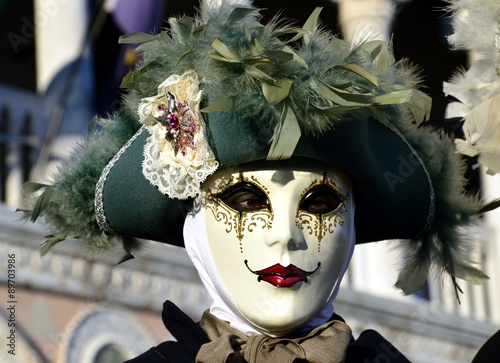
x=287, y=313
x=282, y=327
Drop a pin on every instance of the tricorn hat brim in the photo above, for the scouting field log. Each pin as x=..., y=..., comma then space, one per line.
x=391, y=185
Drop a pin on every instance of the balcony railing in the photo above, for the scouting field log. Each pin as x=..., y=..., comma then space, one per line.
x=23, y=124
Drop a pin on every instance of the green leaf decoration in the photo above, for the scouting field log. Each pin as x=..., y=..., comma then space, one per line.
x=338, y=96
x=247, y=33
x=225, y=51
x=374, y=47
x=336, y=43
x=380, y=115
x=257, y=54
x=29, y=188
x=296, y=57
x=286, y=136
x=221, y=104
x=222, y=59
x=42, y=203
x=258, y=74
x=361, y=72
x=380, y=53
x=394, y=98
x=297, y=32
x=183, y=27
x=132, y=80
x=331, y=108
x=420, y=105
x=470, y=274
x=49, y=243
x=199, y=29
x=343, y=86
x=257, y=48
x=136, y=38
x=275, y=93
x=494, y=204
x=186, y=23
x=184, y=55
x=419, y=102
x=241, y=13
x=53, y=240
x=278, y=56
x=360, y=99
x=163, y=36
x=311, y=24
x=256, y=60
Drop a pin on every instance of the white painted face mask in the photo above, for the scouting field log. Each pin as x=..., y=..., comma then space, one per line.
x=272, y=242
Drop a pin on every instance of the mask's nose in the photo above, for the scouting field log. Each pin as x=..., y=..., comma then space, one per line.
x=284, y=233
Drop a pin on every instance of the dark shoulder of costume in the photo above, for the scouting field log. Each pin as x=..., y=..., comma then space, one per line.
x=371, y=347
x=490, y=351
x=190, y=337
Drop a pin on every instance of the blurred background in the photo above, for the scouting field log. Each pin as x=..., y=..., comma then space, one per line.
x=61, y=64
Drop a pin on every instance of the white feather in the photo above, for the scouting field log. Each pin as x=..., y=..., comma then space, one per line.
x=474, y=23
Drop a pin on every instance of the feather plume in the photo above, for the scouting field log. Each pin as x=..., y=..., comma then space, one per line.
x=444, y=246
x=476, y=26
x=67, y=206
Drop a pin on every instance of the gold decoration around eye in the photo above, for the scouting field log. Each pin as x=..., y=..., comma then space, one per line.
x=262, y=218
x=305, y=221
x=319, y=225
x=220, y=184
x=220, y=211
x=254, y=180
x=233, y=219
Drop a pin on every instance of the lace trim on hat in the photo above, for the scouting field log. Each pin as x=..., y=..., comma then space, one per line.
x=177, y=156
x=98, y=199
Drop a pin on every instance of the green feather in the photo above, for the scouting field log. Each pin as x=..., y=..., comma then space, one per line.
x=494, y=204
x=68, y=205
x=136, y=38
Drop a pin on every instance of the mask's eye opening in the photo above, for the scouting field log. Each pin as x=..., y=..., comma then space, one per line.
x=245, y=197
x=321, y=199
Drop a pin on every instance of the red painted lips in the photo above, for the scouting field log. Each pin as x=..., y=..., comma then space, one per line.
x=281, y=276
x=278, y=275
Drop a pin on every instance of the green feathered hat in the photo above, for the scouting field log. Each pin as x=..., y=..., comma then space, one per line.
x=223, y=89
